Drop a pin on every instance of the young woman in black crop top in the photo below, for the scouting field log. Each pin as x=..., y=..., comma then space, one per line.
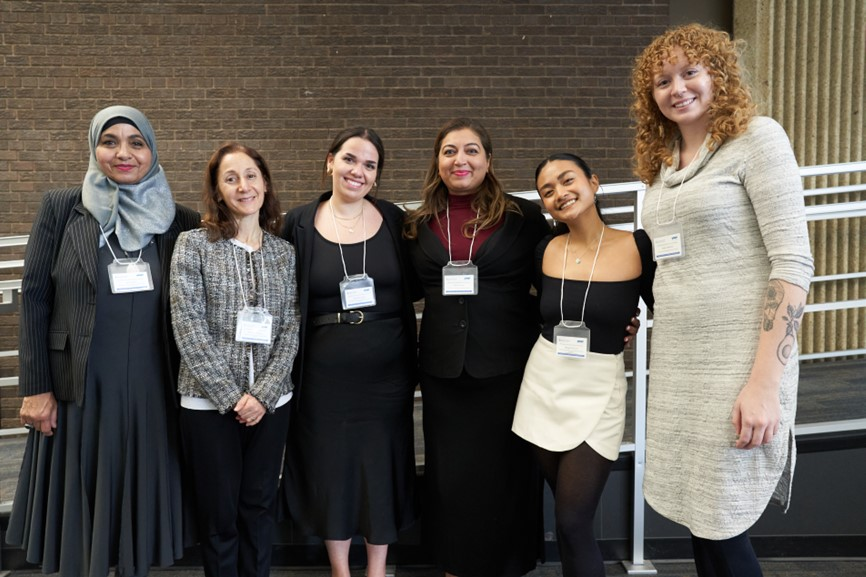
x=571, y=405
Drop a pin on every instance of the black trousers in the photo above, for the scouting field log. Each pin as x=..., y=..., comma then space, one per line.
x=235, y=473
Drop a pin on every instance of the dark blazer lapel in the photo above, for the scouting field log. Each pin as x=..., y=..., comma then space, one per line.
x=83, y=231
x=305, y=228
x=431, y=244
x=502, y=238
x=164, y=247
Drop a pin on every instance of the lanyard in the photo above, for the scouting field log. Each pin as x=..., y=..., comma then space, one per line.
x=676, y=198
x=114, y=256
x=340, y=245
x=588, y=283
x=252, y=274
x=448, y=225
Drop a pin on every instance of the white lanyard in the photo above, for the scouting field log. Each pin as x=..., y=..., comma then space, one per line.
x=340, y=245
x=254, y=324
x=114, y=256
x=588, y=283
x=676, y=198
x=474, y=231
x=252, y=276
x=128, y=275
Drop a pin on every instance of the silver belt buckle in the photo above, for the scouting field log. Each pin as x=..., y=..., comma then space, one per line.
x=360, y=317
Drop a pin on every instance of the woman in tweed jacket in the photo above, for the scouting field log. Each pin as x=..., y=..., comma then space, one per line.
x=235, y=311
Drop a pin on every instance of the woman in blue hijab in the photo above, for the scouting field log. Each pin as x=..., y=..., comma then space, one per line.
x=100, y=480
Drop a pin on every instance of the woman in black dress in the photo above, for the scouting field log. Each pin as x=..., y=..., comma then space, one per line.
x=350, y=458
x=100, y=481
x=482, y=494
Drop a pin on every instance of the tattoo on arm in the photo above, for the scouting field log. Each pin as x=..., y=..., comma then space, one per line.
x=792, y=318
x=772, y=302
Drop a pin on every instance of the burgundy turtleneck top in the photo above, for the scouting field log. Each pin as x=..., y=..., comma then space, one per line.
x=461, y=211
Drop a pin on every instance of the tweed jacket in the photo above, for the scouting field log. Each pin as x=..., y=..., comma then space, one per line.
x=206, y=296
x=58, y=290
x=491, y=333
x=299, y=229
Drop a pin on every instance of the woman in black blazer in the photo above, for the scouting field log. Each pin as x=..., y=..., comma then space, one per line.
x=472, y=247
x=350, y=465
x=100, y=481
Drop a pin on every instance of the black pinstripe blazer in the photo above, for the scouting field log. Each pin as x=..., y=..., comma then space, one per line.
x=58, y=291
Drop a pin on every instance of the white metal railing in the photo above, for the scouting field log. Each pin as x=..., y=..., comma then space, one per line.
x=636, y=190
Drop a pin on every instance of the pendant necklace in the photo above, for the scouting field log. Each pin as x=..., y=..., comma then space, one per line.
x=577, y=260
x=353, y=220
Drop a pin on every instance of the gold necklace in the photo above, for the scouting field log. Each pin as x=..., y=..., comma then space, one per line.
x=355, y=218
x=352, y=220
x=588, y=248
x=350, y=227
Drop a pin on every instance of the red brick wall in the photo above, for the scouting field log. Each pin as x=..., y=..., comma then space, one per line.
x=285, y=76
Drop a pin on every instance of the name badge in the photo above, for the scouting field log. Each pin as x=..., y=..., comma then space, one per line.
x=459, y=277
x=357, y=291
x=129, y=275
x=571, y=339
x=254, y=326
x=668, y=242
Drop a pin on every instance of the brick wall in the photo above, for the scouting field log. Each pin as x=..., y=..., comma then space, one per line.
x=285, y=76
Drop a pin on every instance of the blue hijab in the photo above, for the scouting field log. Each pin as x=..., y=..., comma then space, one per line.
x=134, y=212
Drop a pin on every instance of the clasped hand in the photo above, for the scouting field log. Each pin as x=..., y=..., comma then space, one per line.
x=249, y=410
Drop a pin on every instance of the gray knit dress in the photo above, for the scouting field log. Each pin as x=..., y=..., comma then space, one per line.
x=742, y=216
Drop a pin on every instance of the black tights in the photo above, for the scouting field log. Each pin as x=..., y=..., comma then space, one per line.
x=577, y=478
x=732, y=557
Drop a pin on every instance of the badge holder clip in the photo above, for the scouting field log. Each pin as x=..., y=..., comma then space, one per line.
x=668, y=242
x=357, y=291
x=459, y=277
x=571, y=339
x=129, y=275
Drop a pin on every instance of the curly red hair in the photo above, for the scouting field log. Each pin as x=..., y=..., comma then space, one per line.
x=730, y=112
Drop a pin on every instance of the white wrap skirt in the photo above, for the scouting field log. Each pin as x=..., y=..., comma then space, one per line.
x=564, y=401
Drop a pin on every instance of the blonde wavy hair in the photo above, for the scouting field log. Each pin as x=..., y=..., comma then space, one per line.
x=730, y=111
x=491, y=202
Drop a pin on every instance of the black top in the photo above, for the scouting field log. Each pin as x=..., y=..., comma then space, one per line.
x=326, y=273
x=299, y=229
x=609, y=305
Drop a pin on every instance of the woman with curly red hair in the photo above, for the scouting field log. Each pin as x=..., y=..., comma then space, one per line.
x=724, y=209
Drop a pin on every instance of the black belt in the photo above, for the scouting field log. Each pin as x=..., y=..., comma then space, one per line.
x=350, y=318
